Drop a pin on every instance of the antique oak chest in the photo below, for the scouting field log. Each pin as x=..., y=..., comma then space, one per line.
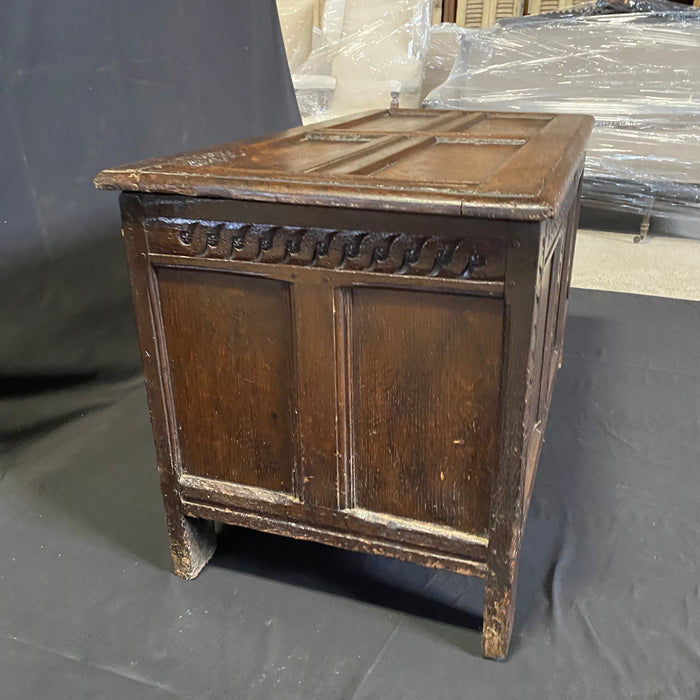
x=350, y=332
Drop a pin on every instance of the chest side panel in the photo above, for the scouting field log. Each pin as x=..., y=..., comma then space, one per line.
x=553, y=274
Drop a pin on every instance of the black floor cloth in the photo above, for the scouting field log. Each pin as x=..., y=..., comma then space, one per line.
x=608, y=595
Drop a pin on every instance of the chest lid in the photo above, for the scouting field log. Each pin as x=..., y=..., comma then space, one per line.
x=486, y=164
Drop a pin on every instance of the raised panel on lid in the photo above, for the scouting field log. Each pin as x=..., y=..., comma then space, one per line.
x=513, y=127
x=426, y=370
x=449, y=161
x=306, y=153
x=400, y=122
x=228, y=340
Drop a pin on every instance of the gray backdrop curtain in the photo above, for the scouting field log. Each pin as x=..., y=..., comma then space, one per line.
x=86, y=84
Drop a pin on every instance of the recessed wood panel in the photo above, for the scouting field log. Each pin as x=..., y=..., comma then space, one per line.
x=541, y=360
x=450, y=161
x=549, y=365
x=425, y=394
x=301, y=154
x=504, y=126
x=228, y=340
x=394, y=121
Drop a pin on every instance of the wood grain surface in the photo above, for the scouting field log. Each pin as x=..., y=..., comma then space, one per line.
x=426, y=370
x=227, y=340
x=497, y=165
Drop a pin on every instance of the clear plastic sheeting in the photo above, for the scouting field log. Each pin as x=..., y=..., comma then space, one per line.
x=637, y=73
x=443, y=49
x=297, y=24
x=364, y=51
x=649, y=166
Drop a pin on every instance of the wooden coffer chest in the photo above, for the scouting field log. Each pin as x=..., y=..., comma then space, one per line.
x=350, y=331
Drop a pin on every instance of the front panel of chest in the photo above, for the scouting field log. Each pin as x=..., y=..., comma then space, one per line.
x=316, y=372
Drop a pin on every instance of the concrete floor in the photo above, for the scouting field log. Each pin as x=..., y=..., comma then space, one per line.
x=659, y=266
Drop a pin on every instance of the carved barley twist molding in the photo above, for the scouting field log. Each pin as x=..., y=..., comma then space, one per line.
x=394, y=253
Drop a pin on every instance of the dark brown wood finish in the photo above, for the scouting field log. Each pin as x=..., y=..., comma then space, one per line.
x=426, y=371
x=514, y=166
x=192, y=540
x=233, y=332
x=517, y=391
x=316, y=394
x=350, y=333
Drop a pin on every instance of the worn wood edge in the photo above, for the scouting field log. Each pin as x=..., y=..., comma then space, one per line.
x=341, y=195
x=217, y=210
x=367, y=197
x=533, y=209
x=107, y=179
x=335, y=538
x=395, y=522
x=535, y=442
x=553, y=235
x=558, y=186
x=213, y=489
x=190, y=557
x=225, y=496
x=192, y=542
x=506, y=521
x=556, y=183
x=334, y=278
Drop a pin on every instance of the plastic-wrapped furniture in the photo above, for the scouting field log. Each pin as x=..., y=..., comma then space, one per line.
x=637, y=73
x=365, y=51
